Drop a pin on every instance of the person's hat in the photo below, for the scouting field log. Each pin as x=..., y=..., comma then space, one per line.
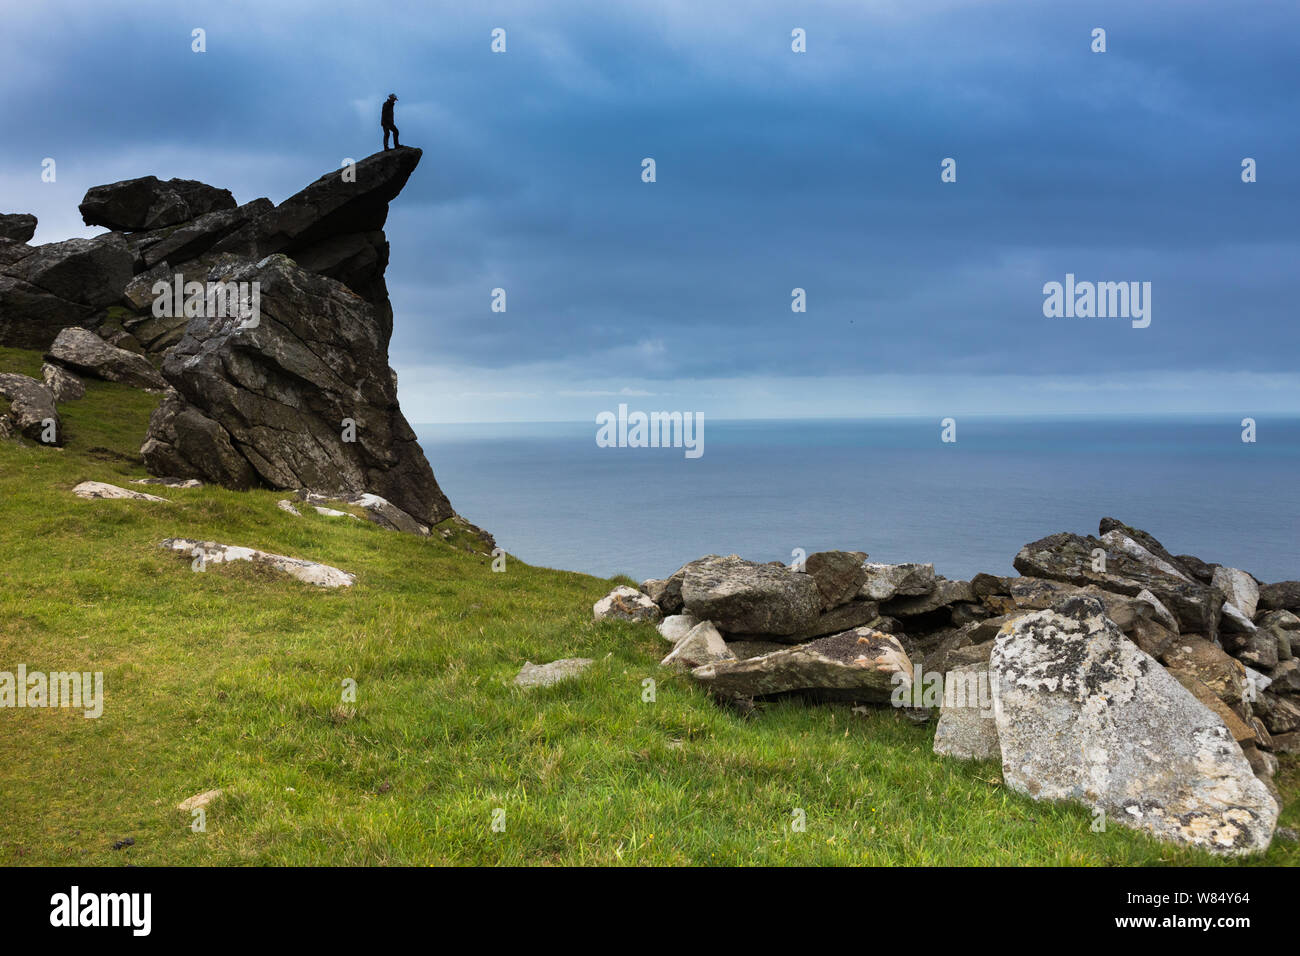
x=392, y=96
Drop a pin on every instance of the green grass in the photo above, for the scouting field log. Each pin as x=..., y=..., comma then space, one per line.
x=232, y=678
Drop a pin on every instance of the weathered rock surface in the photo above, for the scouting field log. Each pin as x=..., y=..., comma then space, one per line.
x=838, y=576
x=1208, y=663
x=83, y=351
x=17, y=226
x=26, y=406
x=308, y=572
x=626, y=604
x=676, y=626
x=856, y=665
x=966, y=729
x=1083, y=714
x=1284, y=595
x=63, y=385
x=271, y=402
x=91, y=272
x=742, y=597
x=886, y=581
x=1130, y=569
x=544, y=675
x=701, y=645
x=168, y=482
x=943, y=594
x=1239, y=589
x=149, y=203
x=101, y=489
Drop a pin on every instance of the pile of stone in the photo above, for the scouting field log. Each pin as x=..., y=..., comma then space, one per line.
x=1155, y=688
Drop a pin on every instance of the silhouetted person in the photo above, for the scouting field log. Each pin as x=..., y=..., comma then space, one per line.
x=386, y=120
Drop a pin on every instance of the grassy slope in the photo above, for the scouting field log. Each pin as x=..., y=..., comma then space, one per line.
x=231, y=678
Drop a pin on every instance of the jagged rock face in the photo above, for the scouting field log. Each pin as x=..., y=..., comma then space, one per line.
x=149, y=203
x=18, y=226
x=1083, y=714
x=59, y=285
x=268, y=402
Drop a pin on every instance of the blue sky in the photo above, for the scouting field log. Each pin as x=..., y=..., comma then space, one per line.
x=775, y=170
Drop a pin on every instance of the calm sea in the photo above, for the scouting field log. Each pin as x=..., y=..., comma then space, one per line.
x=891, y=488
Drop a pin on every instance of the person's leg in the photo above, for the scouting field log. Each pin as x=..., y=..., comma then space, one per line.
x=396, y=137
x=385, y=137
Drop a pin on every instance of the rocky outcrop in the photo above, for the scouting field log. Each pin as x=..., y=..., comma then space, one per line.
x=1083, y=714
x=301, y=398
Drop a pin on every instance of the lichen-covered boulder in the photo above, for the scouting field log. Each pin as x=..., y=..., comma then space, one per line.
x=1083, y=714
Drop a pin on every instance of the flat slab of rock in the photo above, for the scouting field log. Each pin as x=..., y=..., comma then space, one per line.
x=966, y=727
x=287, y=506
x=744, y=597
x=1083, y=714
x=626, y=604
x=544, y=675
x=856, y=665
x=83, y=351
x=309, y=572
x=100, y=489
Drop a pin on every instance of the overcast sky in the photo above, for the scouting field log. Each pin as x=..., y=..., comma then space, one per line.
x=775, y=170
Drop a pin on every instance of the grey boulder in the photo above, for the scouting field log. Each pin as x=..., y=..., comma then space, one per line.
x=1083, y=714
x=83, y=351
x=26, y=406
x=744, y=597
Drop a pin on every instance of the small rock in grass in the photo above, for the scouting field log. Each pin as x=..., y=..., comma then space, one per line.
x=544, y=675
